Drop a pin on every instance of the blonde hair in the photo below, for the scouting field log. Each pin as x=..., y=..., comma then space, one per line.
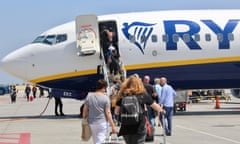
x=131, y=86
x=157, y=81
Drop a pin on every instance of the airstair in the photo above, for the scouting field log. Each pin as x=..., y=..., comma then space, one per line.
x=106, y=73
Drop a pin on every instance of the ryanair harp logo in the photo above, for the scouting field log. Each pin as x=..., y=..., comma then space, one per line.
x=138, y=33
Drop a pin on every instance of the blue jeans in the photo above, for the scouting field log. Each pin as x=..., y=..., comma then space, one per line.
x=168, y=116
x=150, y=116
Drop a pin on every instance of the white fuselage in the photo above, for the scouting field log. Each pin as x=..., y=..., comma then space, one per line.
x=191, y=48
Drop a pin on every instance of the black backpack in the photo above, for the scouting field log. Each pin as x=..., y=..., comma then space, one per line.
x=130, y=110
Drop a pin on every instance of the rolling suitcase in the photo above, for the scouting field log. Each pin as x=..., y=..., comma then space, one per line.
x=150, y=131
x=112, y=140
x=163, y=127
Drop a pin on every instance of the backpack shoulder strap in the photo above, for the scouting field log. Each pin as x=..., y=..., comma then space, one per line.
x=140, y=100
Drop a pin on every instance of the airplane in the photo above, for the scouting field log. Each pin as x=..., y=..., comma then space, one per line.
x=194, y=49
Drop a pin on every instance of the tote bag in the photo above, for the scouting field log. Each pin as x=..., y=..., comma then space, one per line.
x=86, y=130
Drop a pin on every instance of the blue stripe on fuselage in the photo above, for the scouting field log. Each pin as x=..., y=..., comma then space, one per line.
x=198, y=76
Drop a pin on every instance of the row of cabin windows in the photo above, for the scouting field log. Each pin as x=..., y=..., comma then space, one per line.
x=186, y=37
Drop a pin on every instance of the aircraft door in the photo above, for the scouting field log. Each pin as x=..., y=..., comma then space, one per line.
x=87, y=34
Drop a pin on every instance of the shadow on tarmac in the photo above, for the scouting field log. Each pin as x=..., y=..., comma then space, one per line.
x=77, y=116
x=202, y=113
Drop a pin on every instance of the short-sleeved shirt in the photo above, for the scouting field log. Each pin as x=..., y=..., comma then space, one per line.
x=96, y=107
x=139, y=128
x=150, y=90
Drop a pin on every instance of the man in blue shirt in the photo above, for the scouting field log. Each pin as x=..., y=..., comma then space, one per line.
x=167, y=101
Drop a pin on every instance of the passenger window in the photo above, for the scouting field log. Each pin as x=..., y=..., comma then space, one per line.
x=231, y=37
x=186, y=37
x=175, y=38
x=208, y=37
x=165, y=38
x=61, y=38
x=154, y=38
x=220, y=37
x=196, y=37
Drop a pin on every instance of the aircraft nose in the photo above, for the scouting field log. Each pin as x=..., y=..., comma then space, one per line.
x=7, y=63
x=22, y=62
x=13, y=62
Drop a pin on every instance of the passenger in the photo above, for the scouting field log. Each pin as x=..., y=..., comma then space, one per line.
x=34, y=90
x=110, y=51
x=118, y=86
x=152, y=93
x=13, y=93
x=135, y=134
x=120, y=64
x=114, y=62
x=108, y=41
x=10, y=92
x=27, y=91
x=97, y=108
x=122, y=79
x=110, y=35
x=41, y=92
x=158, y=90
x=58, y=105
x=113, y=98
x=167, y=101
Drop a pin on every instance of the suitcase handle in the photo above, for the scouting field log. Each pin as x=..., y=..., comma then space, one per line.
x=110, y=137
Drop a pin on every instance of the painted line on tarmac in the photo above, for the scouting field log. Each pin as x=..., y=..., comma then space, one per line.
x=20, y=118
x=208, y=134
x=15, y=138
x=12, y=119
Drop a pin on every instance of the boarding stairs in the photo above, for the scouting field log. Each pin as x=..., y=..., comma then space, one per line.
x=106, y=73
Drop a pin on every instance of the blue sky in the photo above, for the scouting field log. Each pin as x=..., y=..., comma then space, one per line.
x=22, y=21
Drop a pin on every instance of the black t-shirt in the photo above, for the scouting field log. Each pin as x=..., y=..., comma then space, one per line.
x=139, y=128
x=150, y=90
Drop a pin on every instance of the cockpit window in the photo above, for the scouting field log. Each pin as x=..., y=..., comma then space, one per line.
x=39, y=39
x=61, y=38
x=51, y=39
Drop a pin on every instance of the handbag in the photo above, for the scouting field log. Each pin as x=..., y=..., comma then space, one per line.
x=86, y=130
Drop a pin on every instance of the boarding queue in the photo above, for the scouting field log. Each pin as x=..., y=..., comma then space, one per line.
x=133, y=104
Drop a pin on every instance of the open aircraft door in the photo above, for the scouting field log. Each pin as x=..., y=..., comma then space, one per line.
x=87, y=34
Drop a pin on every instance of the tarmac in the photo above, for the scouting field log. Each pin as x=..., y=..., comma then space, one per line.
x=27, y=123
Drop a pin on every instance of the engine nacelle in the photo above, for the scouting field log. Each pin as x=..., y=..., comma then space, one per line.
x=236, y=92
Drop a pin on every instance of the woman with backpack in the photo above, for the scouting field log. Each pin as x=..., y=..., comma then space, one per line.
x=134, y=132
